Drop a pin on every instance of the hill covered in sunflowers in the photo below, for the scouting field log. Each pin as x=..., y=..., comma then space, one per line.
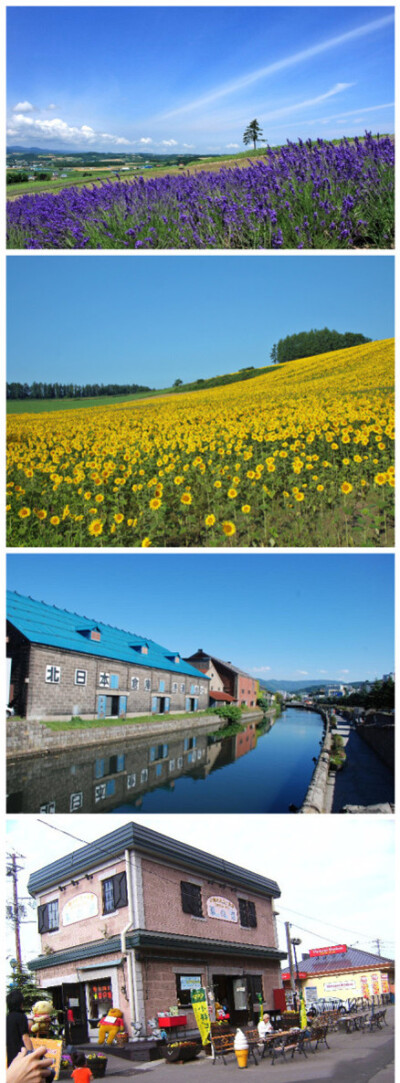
x=299, y=456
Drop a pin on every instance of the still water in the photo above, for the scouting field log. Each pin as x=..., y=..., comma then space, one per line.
x=264, y=768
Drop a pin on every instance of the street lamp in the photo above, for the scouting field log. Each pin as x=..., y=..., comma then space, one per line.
x=296, y=942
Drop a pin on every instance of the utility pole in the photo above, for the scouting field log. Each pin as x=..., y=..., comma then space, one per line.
x=13, y=872
x=378, y=945
x=290, y=958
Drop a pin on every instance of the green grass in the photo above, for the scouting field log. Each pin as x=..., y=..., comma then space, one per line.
x=109, y=723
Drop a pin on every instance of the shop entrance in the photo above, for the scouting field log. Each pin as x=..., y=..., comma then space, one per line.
x=69, y=999
x=239, y=995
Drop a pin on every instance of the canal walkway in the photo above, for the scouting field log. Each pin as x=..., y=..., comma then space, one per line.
x=364, y=780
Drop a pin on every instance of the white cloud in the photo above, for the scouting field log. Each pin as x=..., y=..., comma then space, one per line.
x=169, y=143
x=303, y=672
x=344, y=671
x=322, y=671
x=57, y=129
x=286, y=62
x=52, y=106
x=233, y=146
x=148, y=140
x=188, y=146
x=261, y=669
x=23, y=107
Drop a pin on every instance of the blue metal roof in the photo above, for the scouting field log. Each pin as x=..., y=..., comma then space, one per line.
x=52, y=627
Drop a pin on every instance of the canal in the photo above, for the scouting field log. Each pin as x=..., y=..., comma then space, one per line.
x=263, y=768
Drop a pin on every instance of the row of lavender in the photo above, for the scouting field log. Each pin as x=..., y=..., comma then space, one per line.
x=302, y=195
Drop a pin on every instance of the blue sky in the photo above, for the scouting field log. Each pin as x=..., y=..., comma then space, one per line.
x=92, y=319
x=191, y=78
x=283, y=616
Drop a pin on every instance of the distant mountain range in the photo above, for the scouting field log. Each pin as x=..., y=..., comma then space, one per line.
x=300, y=686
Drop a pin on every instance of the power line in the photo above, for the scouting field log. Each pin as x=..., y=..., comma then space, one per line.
x=342, y=928
x=61, y=832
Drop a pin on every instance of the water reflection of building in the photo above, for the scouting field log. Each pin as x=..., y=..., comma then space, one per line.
x=136, y=920
x=98, y=780
x=65, y=665
x=88, y=780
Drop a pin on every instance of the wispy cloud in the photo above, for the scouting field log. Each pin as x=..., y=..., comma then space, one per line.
x=261, y=669
x=280, y=65
x=303, y=672
x=297, y=106
x=360, y=112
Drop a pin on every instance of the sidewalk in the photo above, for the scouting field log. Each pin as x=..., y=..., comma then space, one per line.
x=364, y=779
x=362, y=1057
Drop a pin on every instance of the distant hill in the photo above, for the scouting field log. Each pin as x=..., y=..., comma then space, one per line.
x=300, y=686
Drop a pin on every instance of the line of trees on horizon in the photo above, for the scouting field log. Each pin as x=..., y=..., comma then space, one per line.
x=39, y=390
x=309, y=343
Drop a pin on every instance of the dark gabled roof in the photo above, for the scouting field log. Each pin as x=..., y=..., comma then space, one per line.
x=45, y=624
x=203, y=656
x=352, y=959
x=161, y=942
x=135, y=837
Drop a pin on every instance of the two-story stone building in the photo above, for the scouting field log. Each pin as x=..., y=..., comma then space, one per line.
x=136, y=920
x=227, y=682
x=63, y=664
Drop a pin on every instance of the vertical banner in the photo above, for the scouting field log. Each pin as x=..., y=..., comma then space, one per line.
x=364, y=986
x=200, y=1011
x=303, y=1013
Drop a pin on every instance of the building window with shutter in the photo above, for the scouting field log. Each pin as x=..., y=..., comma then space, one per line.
x=247, y=911
x=114, y=893
x=191, y=899
x=48, y=917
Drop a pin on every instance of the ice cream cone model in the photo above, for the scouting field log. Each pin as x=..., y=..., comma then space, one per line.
x=241, y=1047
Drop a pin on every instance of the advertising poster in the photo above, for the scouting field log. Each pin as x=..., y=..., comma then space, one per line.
x=200, y=1011
x=54, y=1047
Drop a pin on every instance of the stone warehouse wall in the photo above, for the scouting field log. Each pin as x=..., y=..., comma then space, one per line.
x=66, y=698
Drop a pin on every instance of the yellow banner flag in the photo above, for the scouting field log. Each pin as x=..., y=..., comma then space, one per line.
x=200, y=1011
x=303, y=1013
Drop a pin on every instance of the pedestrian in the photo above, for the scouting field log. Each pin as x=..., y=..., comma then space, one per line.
x=81, y=1073
x=17, y=1025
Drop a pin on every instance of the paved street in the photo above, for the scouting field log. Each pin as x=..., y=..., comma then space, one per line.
x=361, y=1057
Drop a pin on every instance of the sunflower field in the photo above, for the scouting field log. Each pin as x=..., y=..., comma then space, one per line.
x=300, y=456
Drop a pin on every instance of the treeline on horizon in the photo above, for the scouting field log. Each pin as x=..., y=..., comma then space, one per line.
x=309, y=343
x=36, y=390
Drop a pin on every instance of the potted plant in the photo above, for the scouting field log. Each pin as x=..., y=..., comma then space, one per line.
x=97, y=1062
x=181, y=1051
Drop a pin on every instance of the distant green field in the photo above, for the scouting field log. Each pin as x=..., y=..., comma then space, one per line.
x=40, y=406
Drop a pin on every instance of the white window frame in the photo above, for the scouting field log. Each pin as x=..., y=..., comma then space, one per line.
x=135, y=684
x=105, y=682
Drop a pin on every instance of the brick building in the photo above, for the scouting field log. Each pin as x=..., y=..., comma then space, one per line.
x=136, y=920
x=227, y=682
x=63, y=664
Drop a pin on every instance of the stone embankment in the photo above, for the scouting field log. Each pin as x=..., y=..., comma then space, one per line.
x=377, y=730
x=31, y=738
x=315, y=800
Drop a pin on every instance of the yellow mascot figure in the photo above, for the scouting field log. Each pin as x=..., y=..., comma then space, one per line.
x=42, y=1013
x=109, y=1025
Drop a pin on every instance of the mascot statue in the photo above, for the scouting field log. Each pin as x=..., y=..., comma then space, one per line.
x=42, y=1013
x=110, y=1025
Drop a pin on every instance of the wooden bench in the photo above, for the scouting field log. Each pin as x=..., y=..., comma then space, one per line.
x=378, y=1020
x=221, y=1046
x=287, y=1042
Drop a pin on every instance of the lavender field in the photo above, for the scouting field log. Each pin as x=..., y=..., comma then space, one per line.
x=302, y=195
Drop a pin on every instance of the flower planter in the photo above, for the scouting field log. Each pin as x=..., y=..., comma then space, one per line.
x=182, y=1051
x=97, y=1066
